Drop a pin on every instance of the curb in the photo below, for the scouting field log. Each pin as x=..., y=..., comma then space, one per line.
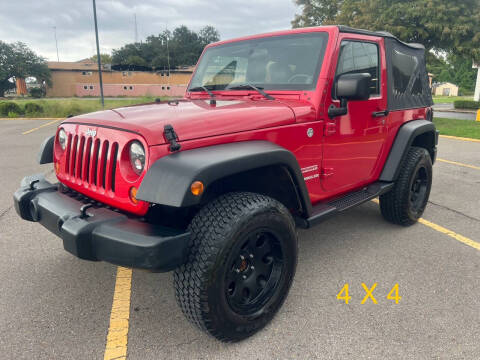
x=459, y=138
x=455, y=111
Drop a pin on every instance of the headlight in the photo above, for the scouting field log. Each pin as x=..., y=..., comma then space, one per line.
x=137, y=157
x=62, y=139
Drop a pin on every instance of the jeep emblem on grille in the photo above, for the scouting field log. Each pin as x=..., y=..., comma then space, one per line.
x=91, y=132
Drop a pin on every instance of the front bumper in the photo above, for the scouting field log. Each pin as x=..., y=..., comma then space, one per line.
x=100, y=233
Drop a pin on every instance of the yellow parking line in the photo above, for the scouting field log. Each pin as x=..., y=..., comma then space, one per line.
x=26, y=118
x=117, y=337
x=452, y=234
x=459, y=164
x=459, y=138
x=39, y=127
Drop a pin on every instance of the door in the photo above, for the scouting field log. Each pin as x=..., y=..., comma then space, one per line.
x=353, y=142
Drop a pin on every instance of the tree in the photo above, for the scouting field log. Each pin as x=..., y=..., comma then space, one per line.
x=167, y=49
x=450, y=26
x=105, y=58
x=316, y=13
x=208, y=35
x=136, y=60
x=18, y=61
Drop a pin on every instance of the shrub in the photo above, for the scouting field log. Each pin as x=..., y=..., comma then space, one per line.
x=8, y=107
x=36, y=92
x=32, y=108
x=73, y=109
x=12, y=114
x=466, y=104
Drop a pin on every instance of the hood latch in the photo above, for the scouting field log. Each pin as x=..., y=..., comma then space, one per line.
x=171, y=137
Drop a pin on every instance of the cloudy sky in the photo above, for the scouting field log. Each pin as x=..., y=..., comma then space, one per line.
x=32, y=21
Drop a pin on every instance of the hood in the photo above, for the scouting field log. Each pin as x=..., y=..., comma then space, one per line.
x=193, y=119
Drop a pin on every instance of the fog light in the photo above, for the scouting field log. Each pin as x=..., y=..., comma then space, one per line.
x=197, y=188
x=133, y=194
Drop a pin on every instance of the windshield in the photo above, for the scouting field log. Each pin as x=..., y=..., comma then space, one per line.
x=290, y=62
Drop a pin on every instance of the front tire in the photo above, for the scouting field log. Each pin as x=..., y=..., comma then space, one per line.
x=242, y=260
x=406, y=202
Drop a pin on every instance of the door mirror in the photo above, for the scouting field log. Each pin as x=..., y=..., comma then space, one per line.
x=353, y=86
x=350, y=87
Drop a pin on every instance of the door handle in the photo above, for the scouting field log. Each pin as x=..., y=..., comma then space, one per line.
x=380, y=113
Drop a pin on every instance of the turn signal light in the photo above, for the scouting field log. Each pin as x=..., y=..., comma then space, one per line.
x=197, y=188
x=133, y=195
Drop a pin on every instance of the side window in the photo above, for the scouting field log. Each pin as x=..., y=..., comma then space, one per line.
x=406, y=74
x=360, y=57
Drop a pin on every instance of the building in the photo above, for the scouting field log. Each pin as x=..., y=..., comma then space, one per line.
x=81, y=79
x=445, y=89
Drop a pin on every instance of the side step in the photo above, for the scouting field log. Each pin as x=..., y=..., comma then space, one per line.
x=324, y=210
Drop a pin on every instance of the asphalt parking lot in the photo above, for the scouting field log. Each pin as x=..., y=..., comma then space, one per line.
x=54, y=305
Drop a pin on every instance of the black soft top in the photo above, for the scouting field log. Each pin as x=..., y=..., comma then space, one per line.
x=385, y=34
x=408, y=84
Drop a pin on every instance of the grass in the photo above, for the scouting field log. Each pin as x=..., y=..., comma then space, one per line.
x=449, y=99
x=460, y=128
x=76, y=106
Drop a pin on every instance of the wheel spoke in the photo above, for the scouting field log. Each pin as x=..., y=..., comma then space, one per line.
x=237, y=295
x=264, y=249
x=421, y=192
x=252, y=242
x=263, y=268
x=233, y=275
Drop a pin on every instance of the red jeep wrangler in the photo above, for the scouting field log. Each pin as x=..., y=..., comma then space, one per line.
x=275, y=131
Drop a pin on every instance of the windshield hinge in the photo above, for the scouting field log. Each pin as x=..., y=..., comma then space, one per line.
x=171, y=137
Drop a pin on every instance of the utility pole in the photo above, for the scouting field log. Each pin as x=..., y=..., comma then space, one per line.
x=168, y=52
x=98, y=53
x=56, y=43
x=136, y=29
x=476, y=97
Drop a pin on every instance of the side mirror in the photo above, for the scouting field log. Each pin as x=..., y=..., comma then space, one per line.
x=350, y=87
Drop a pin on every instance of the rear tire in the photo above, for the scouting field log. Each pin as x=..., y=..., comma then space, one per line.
x=406, y=202
x=242, y=259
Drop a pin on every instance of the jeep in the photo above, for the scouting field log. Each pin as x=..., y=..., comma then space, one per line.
x=275, y=131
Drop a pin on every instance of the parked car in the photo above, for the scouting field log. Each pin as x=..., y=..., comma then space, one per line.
x=276, y=131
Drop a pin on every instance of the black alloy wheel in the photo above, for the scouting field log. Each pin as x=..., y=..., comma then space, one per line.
x=255, y=268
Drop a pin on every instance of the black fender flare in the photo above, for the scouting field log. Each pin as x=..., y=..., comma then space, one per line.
x=168, y=180
x=45, y=156
x=405, y=138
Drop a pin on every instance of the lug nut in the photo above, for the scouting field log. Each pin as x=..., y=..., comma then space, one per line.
x=242, y=257
x=244, y=277
x=237, y=271
x=251, y=256
x=252, y=267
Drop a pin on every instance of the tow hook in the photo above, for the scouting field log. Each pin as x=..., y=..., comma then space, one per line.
x=32, y=184
x=83, y=211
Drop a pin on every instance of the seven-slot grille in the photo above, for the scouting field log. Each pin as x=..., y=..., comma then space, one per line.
x=91, y=161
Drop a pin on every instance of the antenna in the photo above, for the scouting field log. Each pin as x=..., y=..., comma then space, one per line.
x=56, y=43
x=136, y=28
x=99, y=59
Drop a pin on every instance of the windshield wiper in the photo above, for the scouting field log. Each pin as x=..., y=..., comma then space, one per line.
x=250, y=86
x=203, y=88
